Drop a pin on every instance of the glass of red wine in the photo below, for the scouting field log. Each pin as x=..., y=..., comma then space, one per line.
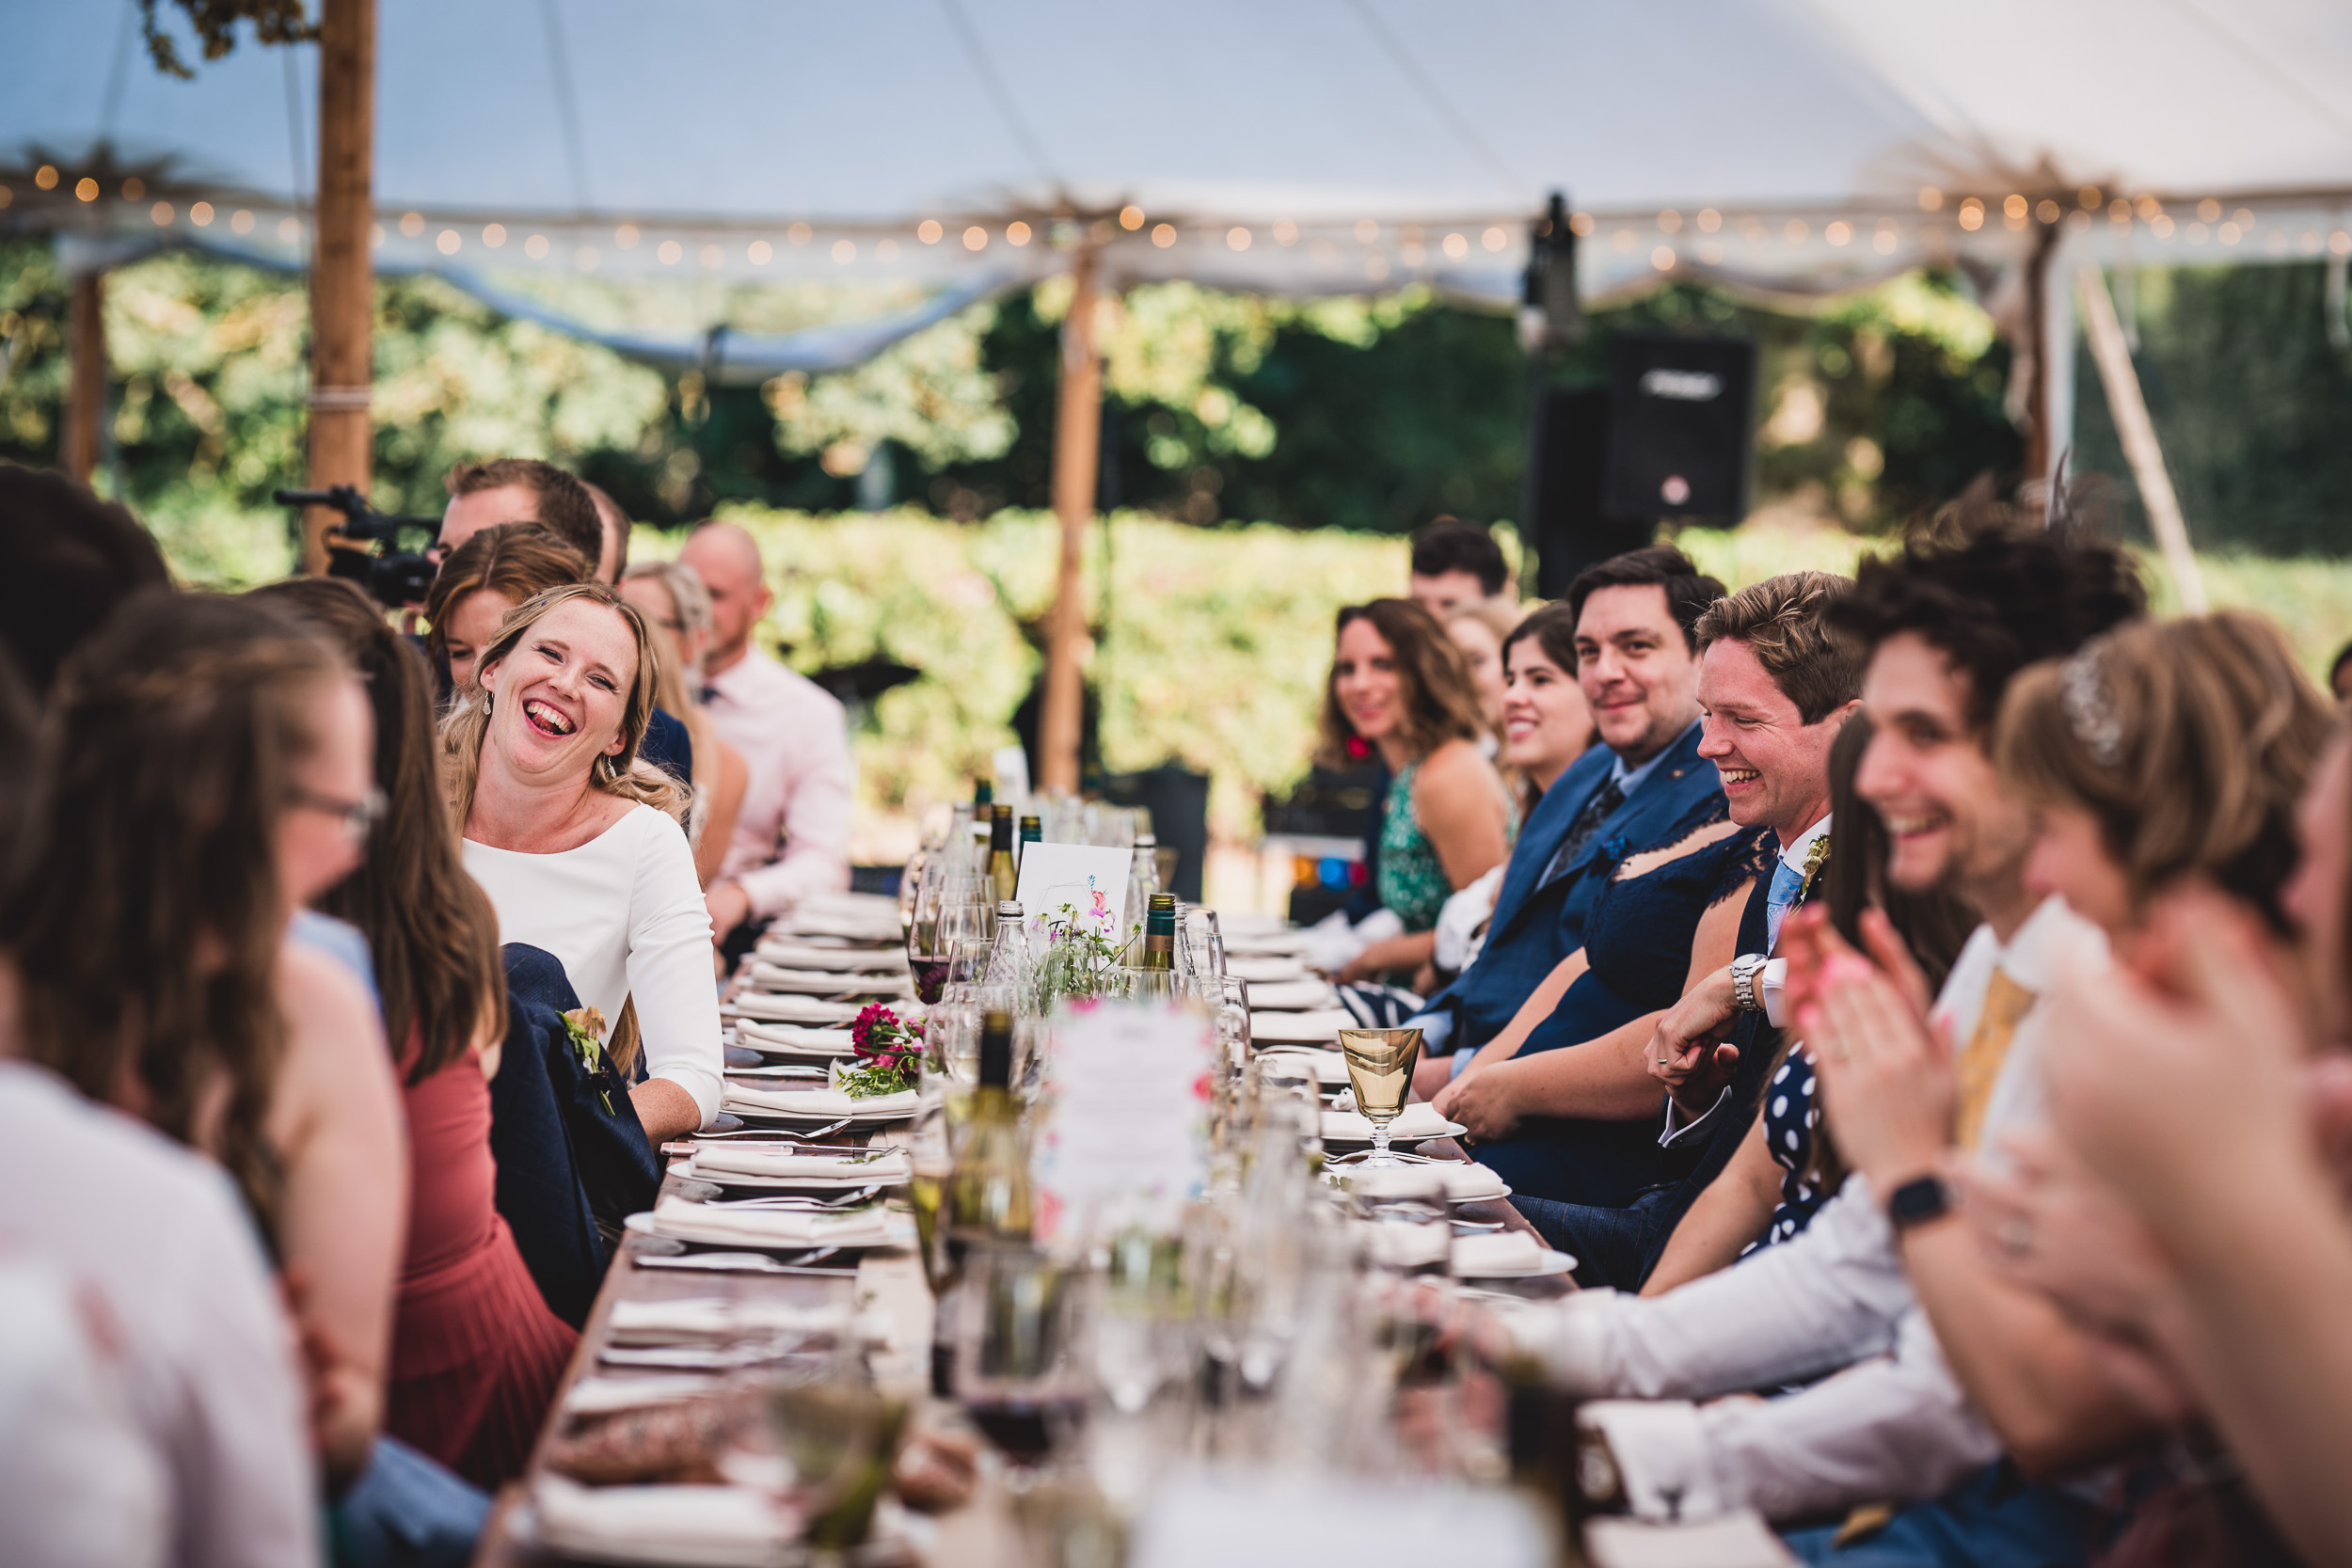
x=941, y=912
x=1016, y=1373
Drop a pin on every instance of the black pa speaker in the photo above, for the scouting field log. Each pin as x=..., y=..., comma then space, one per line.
x=1571, y=528
x=1678, y=426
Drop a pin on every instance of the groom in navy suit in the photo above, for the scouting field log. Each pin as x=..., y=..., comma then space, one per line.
x=1635, y=611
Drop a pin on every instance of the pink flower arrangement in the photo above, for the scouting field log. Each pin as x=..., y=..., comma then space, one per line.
x=882, y=1041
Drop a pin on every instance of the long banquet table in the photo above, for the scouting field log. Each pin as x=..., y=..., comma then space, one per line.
x=886, y=1286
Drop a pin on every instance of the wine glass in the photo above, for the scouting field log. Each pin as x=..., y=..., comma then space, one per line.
x=1015, y=1374
x=1380, y=1069
x=944, y=887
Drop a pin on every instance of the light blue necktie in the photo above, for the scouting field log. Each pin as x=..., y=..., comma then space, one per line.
x=1779, y=899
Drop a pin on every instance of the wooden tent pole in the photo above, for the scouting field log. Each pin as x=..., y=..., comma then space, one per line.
x=1077, y=456
x=86, y=376
x=2039, y=453
x=2138, y=434
x=342, y=281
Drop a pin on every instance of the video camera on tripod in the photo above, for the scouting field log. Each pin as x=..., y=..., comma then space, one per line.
x=396, y=577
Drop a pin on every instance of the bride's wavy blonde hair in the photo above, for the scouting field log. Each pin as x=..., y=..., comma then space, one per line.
x=624, y=773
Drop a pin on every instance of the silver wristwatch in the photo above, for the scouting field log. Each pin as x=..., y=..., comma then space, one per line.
x=1744, y=969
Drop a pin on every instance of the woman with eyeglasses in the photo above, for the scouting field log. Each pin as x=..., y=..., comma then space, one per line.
x=205, y=774
x=676, y=608
x=476, y=1352
x=578, y=843
x=1399, y=685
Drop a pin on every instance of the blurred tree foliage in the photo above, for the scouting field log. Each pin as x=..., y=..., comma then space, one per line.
x=2251, y=401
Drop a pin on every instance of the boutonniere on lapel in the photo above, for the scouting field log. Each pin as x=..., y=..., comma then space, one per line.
x=1814, y=858
x=585, y=1025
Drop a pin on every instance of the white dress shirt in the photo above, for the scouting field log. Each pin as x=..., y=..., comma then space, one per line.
x=1891, y=1423
x=792, y=833
x=624, y=914
x=190, y=1445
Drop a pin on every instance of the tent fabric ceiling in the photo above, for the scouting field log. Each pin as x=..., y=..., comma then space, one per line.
x=1312, y=146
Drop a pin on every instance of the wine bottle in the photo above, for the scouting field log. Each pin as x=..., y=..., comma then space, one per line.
x=983, y=795
x=1159, y=932
x=988, y=1190
x=1032, y=831
x=1001, y=869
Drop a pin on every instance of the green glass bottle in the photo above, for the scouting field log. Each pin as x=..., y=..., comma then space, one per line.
x=1032, y=831
x=1159, y=932
x=988, y=1190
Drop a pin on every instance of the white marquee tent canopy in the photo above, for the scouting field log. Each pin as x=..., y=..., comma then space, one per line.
x=1304, y=146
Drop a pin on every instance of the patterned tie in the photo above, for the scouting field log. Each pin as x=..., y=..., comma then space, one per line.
x=1979, y=1067
x=1788, y=881
x=1607, y=799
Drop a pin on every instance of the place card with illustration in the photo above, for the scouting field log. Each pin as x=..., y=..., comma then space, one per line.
x=1091, y=880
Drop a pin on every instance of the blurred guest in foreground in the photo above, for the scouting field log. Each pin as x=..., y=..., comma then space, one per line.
x=1456, y=563
x=579, y=844
x=2190, y=1207
x=154, y=1410
x=475, y=1352
x=206, y=775
x=480, y=584
x=677, y=609
x=792, y=833
x=1400, y=685
x=70, y=559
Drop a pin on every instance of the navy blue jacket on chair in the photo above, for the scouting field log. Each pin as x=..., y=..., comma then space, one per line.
x=567, y=1169
x=1536, y=923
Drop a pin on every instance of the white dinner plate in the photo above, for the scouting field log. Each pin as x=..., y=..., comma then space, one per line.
x=1417, y=1122
x=1329, y=1067
x=1550, y=1265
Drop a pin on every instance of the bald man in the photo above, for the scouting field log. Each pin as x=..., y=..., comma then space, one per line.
x=792, y=834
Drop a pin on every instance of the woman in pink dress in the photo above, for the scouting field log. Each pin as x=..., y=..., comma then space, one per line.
x=476, y=1354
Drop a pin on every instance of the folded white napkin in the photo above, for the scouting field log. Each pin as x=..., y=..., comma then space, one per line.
x=1414, y=1123
x=601, y=1396
x=675, y=1322
x=858, y=925
x=741, y=1226
x=799, y=1039
x=770, y=979
x=1315, y=1028
x=1329, y=1067
x=705, y=1527
x=1288, y=944
x=1263, y=971
x=1467, y=1181
x=1305, y=994
x=805, y=955
x=1498, y=1252
x=795, y=1009
x=1740, y=1539
x=719, y=1160
x=820, y=1102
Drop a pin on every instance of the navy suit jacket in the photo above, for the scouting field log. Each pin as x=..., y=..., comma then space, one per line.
x=1536, y=925
x=1692, y=1169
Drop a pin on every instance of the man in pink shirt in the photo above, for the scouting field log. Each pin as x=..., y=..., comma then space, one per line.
x=792, y=834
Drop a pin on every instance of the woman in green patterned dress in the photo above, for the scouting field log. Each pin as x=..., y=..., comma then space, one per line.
x=1400, y=686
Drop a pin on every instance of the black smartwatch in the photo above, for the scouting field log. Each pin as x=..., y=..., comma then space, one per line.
x=1918, y=1202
